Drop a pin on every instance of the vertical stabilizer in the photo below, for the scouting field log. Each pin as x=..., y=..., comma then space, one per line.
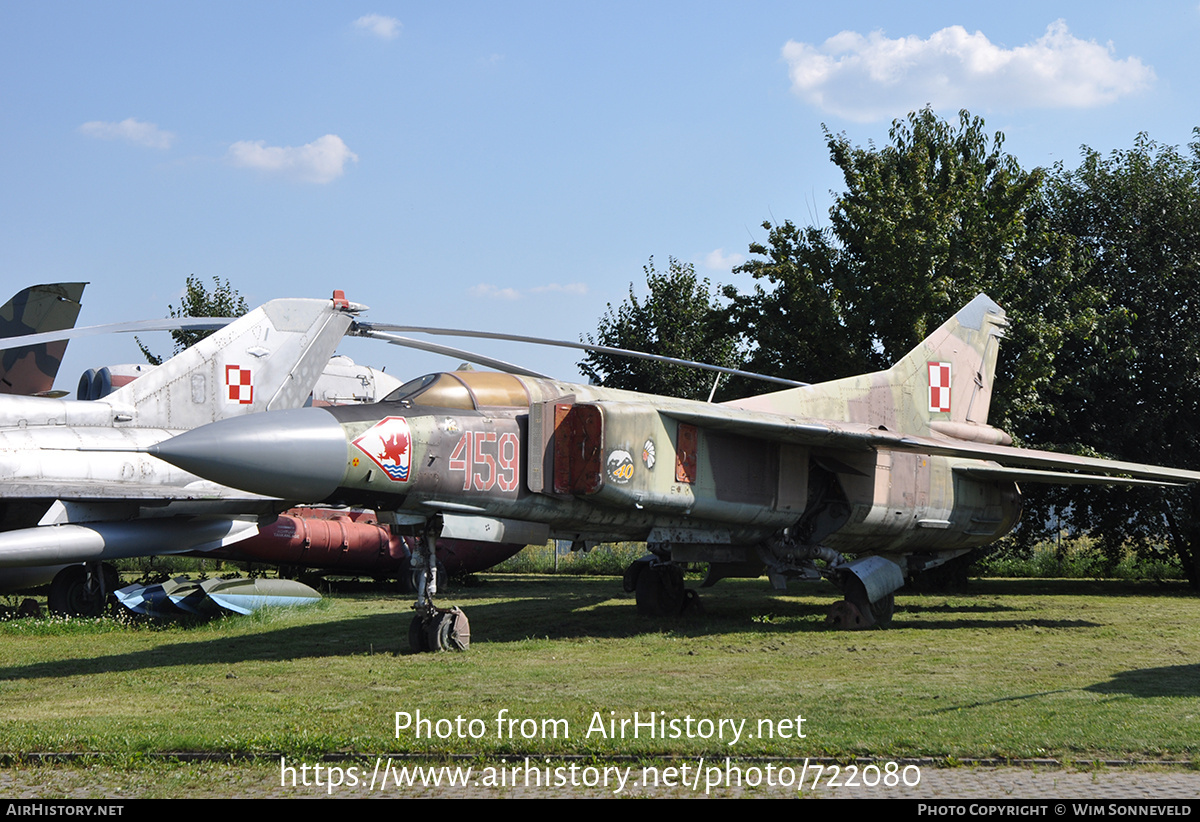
x=38, y=309
x=953, y=370
x=942, y=386
x=269, y=359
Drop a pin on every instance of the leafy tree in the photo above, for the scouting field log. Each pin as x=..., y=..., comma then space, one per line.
x=224, y=301
x=680, y=319
x=1132, y=388
x=927, y=222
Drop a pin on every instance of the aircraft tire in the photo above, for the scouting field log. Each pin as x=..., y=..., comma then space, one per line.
x=629, y=581
x=418, y=639
x=69, y=595
x=453, y=631
x=660, y=591
x=844, y=615
x=883, y=610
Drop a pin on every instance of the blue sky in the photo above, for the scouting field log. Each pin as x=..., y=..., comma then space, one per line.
x=505, y=166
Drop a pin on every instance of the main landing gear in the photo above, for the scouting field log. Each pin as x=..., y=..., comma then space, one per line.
x=849, y=615
x=82, y=590
x=869, y=585
x=659, y=588
x=433, y=628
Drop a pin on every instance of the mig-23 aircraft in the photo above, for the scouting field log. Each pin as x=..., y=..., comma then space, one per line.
x=74, y=490
x=860, y=480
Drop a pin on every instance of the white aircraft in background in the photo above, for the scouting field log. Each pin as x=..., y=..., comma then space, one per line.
x=73, y=488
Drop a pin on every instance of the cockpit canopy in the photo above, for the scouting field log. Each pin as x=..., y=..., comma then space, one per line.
x=470, y=390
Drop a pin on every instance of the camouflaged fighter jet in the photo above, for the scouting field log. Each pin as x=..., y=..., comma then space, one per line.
x=73, y=488
x=31, y=369
x=860, y=480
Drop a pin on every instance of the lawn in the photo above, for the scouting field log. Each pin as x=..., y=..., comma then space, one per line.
x=1073, y=669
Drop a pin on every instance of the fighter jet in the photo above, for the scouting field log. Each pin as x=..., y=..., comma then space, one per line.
x=73, y=488
x=861, y=480
x=31, y=369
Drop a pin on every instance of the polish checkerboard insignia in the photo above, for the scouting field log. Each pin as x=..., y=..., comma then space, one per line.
x=939, y=386
x=239, y=385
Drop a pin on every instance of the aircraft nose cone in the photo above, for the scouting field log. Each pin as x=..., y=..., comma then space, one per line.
x=297, y=455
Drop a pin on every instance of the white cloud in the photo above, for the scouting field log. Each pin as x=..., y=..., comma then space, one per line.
x=718, y=260
x=873, y=77
x=386, y=28
x=488, y=291
x=132, y=130
x=321, y=161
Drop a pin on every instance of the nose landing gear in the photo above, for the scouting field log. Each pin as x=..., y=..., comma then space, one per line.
x=434, y=628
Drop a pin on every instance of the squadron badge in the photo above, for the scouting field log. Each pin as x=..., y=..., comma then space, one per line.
x=620, y=466
x=388, y=444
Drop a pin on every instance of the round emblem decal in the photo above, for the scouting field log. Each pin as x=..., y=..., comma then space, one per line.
x=620, y=467
x=648, y=454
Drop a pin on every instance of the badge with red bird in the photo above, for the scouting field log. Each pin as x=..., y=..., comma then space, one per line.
x=389, y=445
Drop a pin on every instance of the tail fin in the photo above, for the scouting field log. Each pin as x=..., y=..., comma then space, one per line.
x=950, y=374
x=944, y=385
x=35, y=310
x=269, y=359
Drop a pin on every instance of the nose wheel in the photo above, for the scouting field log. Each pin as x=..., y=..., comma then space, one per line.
x=446, y=630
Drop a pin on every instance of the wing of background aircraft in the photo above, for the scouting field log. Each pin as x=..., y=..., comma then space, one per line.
x=31, y=368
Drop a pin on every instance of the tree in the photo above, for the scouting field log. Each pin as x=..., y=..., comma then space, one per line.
x=680, y=319
x=224, y=301
x=1132, y=388
x=926, y=222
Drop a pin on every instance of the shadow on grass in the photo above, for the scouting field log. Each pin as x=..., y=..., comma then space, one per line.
x=1173, y=680
x=297, y=641
x=925, y=613
x=984, y=703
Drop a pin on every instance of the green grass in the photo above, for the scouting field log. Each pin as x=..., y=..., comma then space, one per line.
x=606, y=559
x=1078, y=670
